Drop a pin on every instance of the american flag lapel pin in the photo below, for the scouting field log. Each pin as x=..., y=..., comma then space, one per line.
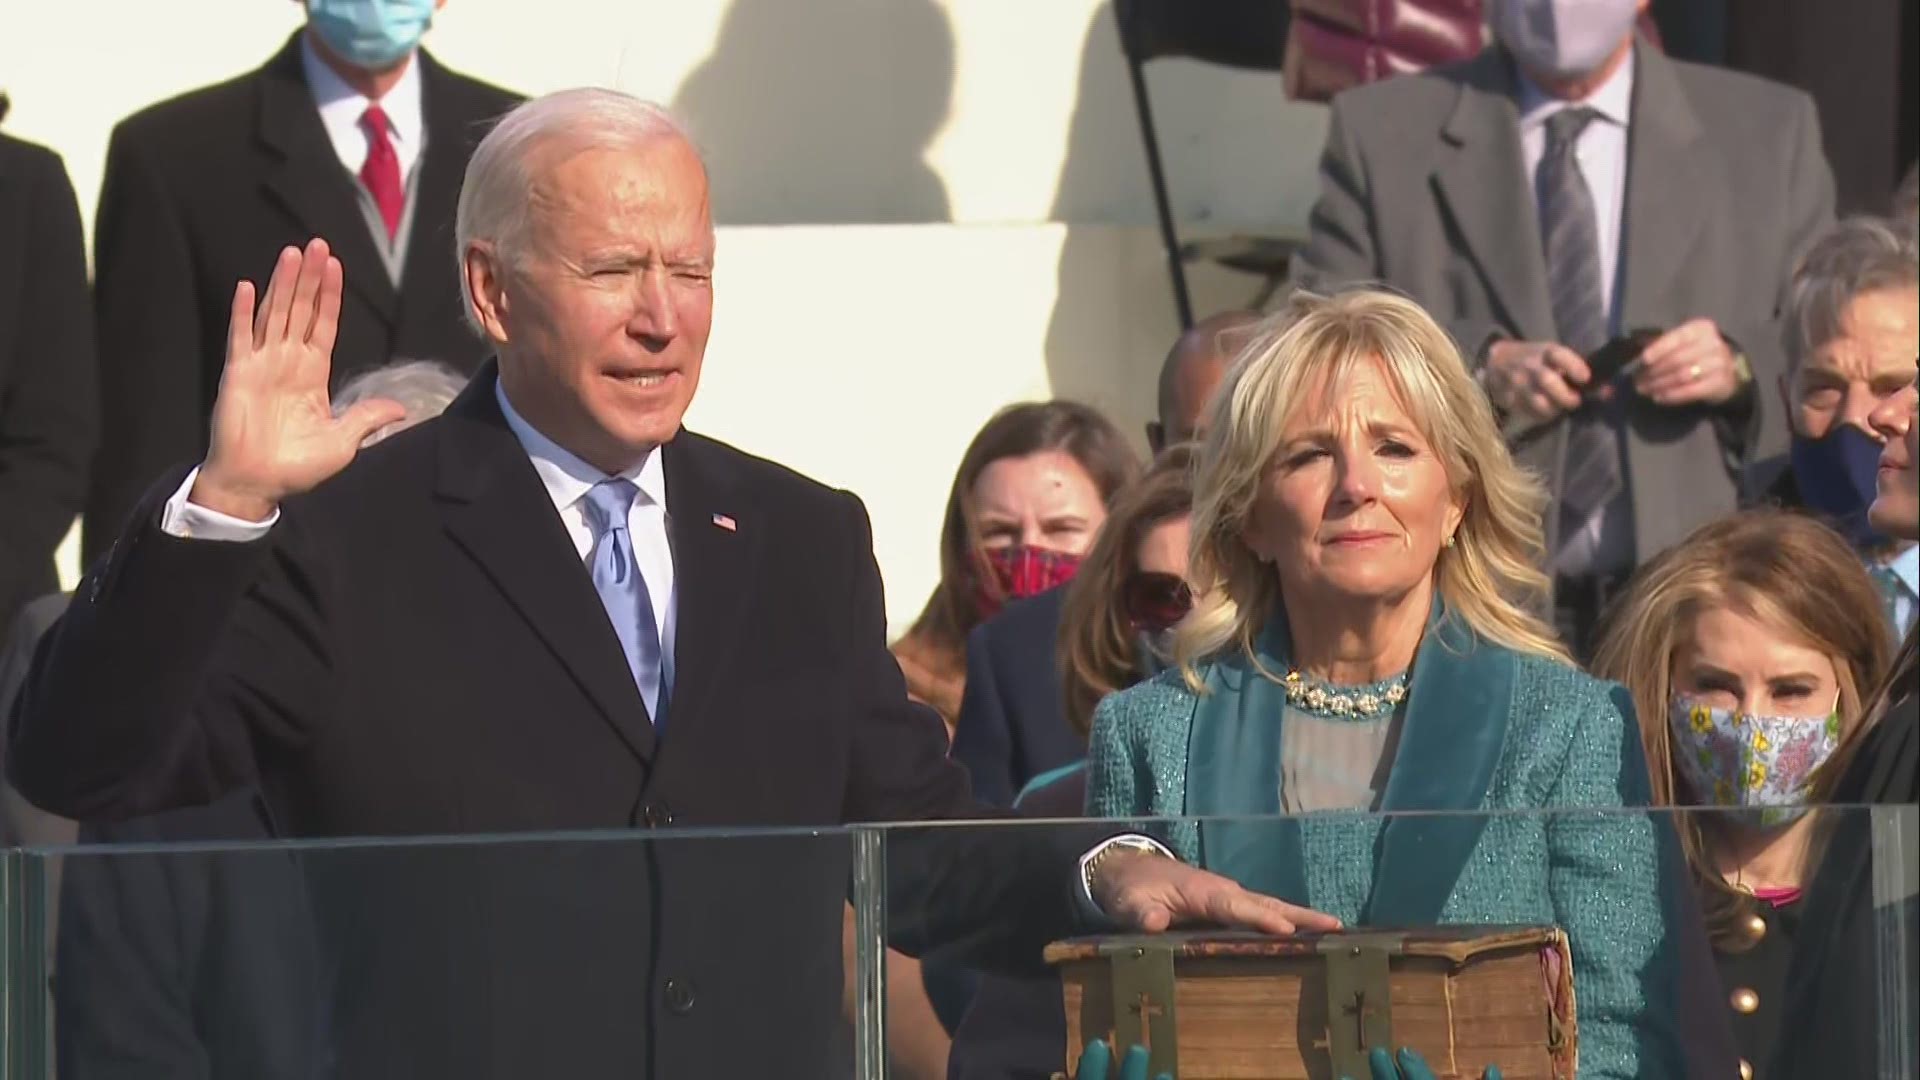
x=725, y=521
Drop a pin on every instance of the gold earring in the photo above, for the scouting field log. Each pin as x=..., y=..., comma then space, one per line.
x=1447, y=543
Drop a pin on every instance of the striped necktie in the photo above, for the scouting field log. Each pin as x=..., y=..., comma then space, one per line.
x=1592, y=474
x=1893, y=591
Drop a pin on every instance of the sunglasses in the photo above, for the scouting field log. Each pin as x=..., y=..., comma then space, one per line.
x=1155, y=601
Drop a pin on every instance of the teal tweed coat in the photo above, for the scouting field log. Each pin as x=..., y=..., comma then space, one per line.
x=1526, y=753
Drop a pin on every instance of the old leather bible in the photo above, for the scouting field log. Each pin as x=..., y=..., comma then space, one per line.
x=1237, y=1006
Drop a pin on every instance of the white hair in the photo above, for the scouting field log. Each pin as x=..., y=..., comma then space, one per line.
x=494, y=200
x=423, y=387
x=1857, y=256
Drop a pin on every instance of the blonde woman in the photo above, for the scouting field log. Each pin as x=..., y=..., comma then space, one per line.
x=1365, y=552
x=1747, y=650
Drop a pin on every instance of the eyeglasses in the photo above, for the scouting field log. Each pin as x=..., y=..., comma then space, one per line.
x=1155, y=601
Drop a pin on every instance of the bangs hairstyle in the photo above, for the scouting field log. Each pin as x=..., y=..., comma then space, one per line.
x=1489, y=579
x=1784, y=570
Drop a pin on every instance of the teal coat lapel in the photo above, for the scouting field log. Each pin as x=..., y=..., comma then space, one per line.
x=1233, y=774
x=1458, y=705
x=1458, y=701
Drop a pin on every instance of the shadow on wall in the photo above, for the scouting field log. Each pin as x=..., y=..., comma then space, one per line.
x=1099, y=350
x=821, y=112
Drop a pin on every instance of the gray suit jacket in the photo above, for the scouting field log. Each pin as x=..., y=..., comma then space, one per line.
x=1423, y=187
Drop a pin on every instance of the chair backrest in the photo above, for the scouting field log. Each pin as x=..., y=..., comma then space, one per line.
x=1237, y=33
x=1336, y=44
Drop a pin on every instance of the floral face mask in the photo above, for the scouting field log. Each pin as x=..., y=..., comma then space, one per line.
x=1765, y=763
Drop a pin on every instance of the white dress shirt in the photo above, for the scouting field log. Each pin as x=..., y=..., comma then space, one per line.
x=341, y=107
x=1602, y=150
x=567, y=480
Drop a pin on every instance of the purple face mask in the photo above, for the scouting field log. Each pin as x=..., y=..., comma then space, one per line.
x=1562, y=38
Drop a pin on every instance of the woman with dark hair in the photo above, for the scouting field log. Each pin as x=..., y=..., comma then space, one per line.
x=1030, y=495
x=1748, y=649
x=1120, y=609
x=1118, y=614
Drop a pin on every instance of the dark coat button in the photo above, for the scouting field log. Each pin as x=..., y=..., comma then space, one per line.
x=680, y=996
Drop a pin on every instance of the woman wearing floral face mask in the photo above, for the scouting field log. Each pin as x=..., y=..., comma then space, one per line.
x=1031, y=493
x=1747, y=649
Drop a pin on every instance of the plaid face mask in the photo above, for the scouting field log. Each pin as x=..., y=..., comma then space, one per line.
x=1731, y=758
x=1017, y=572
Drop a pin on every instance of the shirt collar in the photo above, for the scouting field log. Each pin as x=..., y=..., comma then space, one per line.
x=566, y=477
x=1612, y=99
x=340, y=103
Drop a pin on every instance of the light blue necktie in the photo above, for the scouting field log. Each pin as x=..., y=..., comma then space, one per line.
x=623, y=591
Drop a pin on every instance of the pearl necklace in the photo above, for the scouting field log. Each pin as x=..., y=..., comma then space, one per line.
x=1368, y=702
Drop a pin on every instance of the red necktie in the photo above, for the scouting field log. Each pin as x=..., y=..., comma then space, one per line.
x=381, y=173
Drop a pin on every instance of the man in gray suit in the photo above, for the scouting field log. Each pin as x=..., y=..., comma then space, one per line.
x=1568, y=187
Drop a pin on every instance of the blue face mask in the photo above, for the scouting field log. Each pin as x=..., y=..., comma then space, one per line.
x=370, y=34
x=1837, y=475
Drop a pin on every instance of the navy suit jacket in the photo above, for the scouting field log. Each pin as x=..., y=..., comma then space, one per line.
x=1013, y=725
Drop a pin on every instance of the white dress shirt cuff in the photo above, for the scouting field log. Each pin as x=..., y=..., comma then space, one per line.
x=1090, y=907
x=193, y=522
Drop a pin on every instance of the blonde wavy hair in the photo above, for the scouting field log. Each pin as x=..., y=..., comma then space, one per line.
x=1784, y=570
x=1489, y=578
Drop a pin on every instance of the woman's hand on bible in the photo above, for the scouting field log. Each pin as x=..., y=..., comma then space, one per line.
x=273, y=430
x=1407, y=1065
x=1153, y=893
x=1097, y=1063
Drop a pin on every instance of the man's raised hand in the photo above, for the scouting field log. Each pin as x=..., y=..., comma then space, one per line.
x=273, y=431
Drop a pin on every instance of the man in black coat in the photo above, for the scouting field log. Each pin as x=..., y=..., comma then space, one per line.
x=47, y=416
x=454, y=633
x=201, y=191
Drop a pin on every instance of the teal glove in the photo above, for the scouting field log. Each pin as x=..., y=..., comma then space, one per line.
x=1409, y=1066
x=1097, y=1062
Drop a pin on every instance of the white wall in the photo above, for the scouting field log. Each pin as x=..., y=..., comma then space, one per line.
x=928, y=209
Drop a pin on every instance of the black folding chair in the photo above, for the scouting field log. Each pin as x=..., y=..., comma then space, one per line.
x=1249, y=34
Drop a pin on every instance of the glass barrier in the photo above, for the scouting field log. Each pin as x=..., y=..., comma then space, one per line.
x=565, y=955
x=1531, y=940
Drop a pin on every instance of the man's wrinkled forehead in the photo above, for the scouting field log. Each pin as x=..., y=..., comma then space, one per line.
x=656, y=185
x=1878, y=331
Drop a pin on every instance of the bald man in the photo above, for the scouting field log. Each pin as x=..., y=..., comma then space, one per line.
x=1192, y=369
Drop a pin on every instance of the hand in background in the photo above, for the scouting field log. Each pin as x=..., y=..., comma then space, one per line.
x=1535, y=380
x=1689, y=364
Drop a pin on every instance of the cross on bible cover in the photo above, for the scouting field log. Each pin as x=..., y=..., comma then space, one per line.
x=1214, y=1005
